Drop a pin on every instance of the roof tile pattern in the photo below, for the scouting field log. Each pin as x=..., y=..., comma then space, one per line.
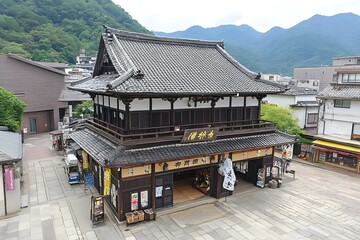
x=341, y=91
x=175, y=66
x=101, y=149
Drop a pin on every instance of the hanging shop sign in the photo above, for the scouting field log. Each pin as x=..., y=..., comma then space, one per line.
x=107, y=181
x=85, y=159
x=9, y=178
x=240, y=156
x=135, y=171
x=200, y=134
x=186, y=163
x=226, y=169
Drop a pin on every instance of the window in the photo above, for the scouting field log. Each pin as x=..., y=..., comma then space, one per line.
x=356, y=132
x=342, y=103
x=345, y=77
x=312, y=118
x=350, y=78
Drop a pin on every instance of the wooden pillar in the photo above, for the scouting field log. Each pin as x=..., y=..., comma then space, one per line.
x=120, y=196
x=117, y=112
x=230, y=110
x=244, y=110
x=150, y=112
x=127, y=102
x=172, y=112
x=259, y=98
x=153, y=198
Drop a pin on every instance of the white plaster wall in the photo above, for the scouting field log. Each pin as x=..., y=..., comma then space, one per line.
x=305, y=98
x=223, y=103
x=141, y=104
x=280, y=100
x=339, y=121
x=250, y=101
x=237, y=102
x=95, y=99
x=160, y=104
x=113, y=102
x=2, y=198
x=106, y=101
x=184, y=104
x=121, y=105
x=351, y=114
x=299, y=115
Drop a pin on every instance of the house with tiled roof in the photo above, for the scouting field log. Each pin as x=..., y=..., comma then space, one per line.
x=338, y=139
x=167, y=112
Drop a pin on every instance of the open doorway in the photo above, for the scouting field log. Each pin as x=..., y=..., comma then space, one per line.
x=191, y=184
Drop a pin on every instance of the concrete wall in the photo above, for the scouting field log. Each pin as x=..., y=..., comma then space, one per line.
x=324, y=74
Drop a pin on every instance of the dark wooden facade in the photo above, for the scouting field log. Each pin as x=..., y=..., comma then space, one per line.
x=143, y=118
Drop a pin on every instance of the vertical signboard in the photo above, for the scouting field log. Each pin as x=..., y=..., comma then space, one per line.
x=9, y=178
x=85, y=159
x=107, y=181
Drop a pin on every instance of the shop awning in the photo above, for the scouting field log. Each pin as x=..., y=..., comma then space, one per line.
x=331, y=150
x=337, y=146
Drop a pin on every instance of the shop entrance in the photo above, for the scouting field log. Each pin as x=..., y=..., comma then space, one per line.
x=191, y=184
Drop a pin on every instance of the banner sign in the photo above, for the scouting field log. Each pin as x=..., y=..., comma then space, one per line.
x=200, y=134
x=9, y=178
x=85, y=159
x=107, y=181
x=89, y=180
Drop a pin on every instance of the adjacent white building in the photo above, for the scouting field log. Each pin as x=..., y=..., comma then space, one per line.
x=338, y=139
x=302, y=101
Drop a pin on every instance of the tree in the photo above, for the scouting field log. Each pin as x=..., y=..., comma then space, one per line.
x=282, y=116
x=85, y=108
x=11, y=110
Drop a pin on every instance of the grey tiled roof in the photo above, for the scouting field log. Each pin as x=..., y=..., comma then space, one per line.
x=68, y=95
x=296, y=91
x=306, y=104
x=10, y=147
x=95, y=144
x=341, y=91
x=169, y=65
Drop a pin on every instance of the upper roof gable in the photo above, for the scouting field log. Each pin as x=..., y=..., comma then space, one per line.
x=135, y=63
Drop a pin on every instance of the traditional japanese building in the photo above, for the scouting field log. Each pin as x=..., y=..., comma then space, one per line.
x=166, y=109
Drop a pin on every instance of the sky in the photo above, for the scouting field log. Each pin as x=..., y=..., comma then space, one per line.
x=170, y=16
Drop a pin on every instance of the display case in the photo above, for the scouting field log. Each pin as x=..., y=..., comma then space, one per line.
x=134, y=216
x=97, y=209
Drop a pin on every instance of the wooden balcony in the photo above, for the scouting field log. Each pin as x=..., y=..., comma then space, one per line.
x=174, y=134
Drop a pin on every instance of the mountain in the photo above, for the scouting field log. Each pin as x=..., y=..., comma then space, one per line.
x=312, y=42
x=47, y=30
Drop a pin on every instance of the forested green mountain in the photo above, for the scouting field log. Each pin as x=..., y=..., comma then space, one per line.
x=312, y=42
x=55, y=30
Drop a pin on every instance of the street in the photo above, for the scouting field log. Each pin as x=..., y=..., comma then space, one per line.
x=320, y=203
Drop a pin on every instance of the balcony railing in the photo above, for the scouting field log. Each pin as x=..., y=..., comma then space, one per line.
x=176, y=132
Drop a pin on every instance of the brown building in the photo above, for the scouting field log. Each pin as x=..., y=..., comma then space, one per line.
x=169, y=112
x=39, y=86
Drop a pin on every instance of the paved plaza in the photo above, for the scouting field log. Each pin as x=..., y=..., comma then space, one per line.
x=320, y=203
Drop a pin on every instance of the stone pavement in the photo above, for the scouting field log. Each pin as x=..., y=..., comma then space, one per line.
x=320, y=203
